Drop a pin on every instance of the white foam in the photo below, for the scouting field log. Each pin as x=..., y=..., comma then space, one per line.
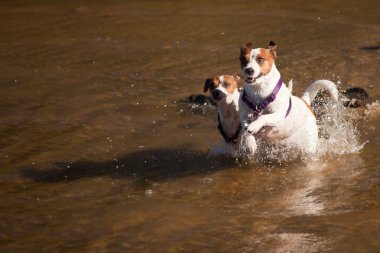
x=372, y=109
x=338, y=131
x=338, y=135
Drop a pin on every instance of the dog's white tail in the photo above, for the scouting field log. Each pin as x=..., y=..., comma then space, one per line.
x=311, y=91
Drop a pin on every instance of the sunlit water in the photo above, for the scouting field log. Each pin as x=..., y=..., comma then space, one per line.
x=100, y=153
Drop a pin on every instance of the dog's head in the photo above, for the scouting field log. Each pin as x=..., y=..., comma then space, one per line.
x=256, y=62
x=221, y=87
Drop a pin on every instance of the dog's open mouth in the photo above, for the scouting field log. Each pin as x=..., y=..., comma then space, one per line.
x=250, y=79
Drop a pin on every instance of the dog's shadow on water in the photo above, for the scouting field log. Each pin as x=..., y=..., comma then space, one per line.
x=371, y=48
x=141, y=166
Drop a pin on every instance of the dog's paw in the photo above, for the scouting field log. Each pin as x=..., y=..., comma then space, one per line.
x=253, y=128
x=248, y=145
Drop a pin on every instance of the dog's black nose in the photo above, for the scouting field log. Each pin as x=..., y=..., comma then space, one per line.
x=249, y=71
x=217, y=95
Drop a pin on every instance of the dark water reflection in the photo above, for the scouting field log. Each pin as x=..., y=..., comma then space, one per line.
x=99, y=153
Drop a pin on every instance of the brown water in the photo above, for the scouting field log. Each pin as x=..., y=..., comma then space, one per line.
x=98, y=154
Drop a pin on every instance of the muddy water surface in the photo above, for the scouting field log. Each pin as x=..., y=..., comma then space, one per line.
x=99, y=153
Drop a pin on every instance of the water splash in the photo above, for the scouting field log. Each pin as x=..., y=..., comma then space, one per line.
x=279, y=153
x=338, y=130
x=372, y=110
x=338, y=135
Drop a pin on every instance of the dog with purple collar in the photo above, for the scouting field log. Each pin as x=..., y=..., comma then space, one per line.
x=269, y=111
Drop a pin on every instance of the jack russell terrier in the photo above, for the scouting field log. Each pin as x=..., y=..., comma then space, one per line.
x=269, y=111
x=225, y=93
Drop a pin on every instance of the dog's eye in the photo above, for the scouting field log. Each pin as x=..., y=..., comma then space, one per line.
x=225, y=85
x=260, y=60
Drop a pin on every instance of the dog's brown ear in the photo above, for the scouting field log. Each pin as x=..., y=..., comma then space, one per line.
x=272, y=48
x=236, y=77
x=272, y=45
x=208, y=85
x=249, y=45
x=245, y=52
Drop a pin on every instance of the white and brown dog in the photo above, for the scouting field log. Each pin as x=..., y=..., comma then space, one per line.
x=225, y=93
x=269, y=111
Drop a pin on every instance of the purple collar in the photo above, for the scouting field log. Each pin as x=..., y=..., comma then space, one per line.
x=259, y=108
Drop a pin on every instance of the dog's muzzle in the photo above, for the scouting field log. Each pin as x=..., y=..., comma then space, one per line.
x=217, y=95
x=249, y=71
x=251, y=79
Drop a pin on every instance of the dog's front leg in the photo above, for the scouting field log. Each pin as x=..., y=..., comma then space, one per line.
x=249, y=145
x=273, y=119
